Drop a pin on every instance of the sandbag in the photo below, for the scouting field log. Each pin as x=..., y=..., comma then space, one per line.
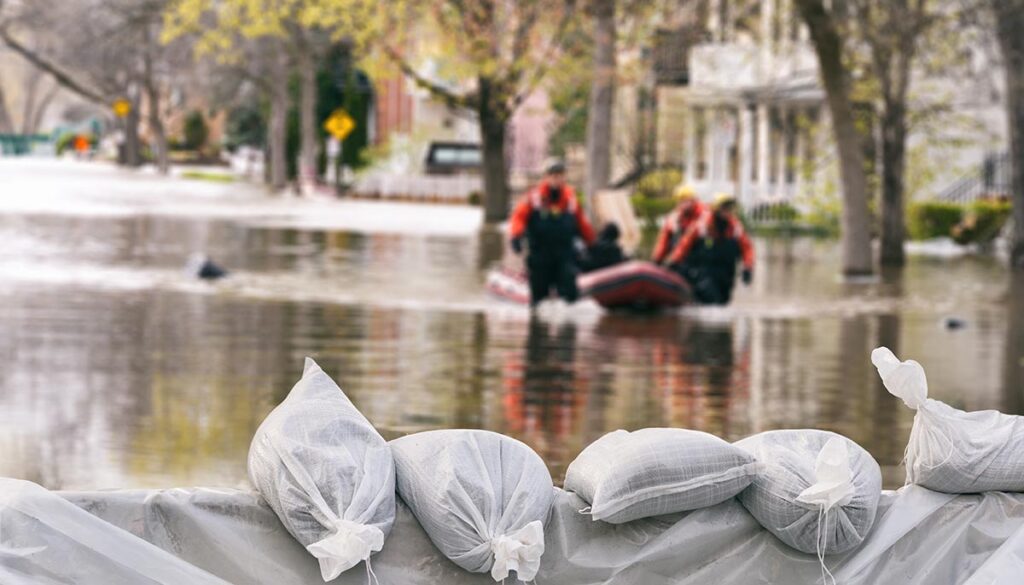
x=326, y=473
x=818, y=491
x=951, y=450
x=629, y=475
x=482, y=498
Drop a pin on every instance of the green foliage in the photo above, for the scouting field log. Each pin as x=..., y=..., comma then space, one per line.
x=982, y=221
x=195, y=130
x=658, y=184
x=207, y=176
x=570, y=105
x=244, y=127
x=932, y=219
x=650, y=209
x=652, y=196
x=66, y=141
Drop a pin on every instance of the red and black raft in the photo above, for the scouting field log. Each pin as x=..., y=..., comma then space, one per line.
x=635, y=285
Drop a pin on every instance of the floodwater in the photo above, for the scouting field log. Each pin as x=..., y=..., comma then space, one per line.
x=119, y=371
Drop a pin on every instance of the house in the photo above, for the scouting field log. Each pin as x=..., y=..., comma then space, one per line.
x=746, y=114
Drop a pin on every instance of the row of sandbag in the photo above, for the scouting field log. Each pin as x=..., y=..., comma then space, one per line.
x=483, y=498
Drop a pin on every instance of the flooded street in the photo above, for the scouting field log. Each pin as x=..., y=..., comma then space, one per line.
x=120, y=371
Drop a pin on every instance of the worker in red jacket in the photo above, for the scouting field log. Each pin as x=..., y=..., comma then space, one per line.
x=550, y=219
x=686, y=213
x=709, y=251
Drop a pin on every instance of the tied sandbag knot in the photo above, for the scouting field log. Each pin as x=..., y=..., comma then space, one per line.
x=518, y=551
x=834, y=487
x=345, y=547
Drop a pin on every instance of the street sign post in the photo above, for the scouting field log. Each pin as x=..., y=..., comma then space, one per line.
x=339, y=124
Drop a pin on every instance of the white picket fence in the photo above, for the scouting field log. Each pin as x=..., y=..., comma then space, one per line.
x=443, y=188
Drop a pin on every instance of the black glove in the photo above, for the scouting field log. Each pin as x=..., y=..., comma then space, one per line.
x=748, y=275
x=517, y=245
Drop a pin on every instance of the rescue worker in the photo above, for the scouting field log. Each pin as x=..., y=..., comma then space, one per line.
x=686, y=213
x=708, y=253
x=606, y=251
x=550, y=219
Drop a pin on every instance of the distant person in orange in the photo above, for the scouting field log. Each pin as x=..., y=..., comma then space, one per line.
x=686, y=213
x=81, y=145
x=550, y=219
x=709, y=251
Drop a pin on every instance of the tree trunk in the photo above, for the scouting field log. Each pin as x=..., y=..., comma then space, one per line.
x=493, y=115
x=307, y=115
x=277, y=137
x=855, y=223
x=156, y=125
x=31, y=93
x=894, y=137
x=1009, y=16
x=602, y=99
x=131, y=156
x=6, y=126
x=42, y=108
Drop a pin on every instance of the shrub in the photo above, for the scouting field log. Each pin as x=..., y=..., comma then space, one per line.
x=66, y=141
x=195, y=130
x=652, y=196
x=658, y=184
x=982, y=221
x=773, y=212
x=650, y=209
x=932, y=219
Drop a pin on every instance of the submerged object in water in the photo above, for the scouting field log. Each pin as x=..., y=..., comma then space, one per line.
x=631, y=285
x=202, y=267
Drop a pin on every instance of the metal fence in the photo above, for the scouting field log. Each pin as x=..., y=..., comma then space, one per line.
x=992, y=179
x=21, y=144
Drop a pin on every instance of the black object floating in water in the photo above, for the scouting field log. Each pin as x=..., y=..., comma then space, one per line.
x=954, y=323
x=202, y=267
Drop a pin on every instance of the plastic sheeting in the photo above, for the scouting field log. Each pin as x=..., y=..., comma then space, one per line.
x=200, y=535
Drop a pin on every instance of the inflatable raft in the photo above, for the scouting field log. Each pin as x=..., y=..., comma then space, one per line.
x=634, y=285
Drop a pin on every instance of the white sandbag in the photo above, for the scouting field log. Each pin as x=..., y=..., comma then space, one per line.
x=629, y=475
x=325, y=471
x=951, y=450
x=818, y=491
x=482, y=498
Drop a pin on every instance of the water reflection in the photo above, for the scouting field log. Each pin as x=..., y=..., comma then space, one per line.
x=118, y=372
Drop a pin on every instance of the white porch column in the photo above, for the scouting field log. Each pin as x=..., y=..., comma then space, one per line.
x=715, y=26
x=763, y=144
x=746, y=153
x=691, y=144
x=710, y=151
x=800, y=156
x=785, y=8
x=767, y=23
x=780, y=169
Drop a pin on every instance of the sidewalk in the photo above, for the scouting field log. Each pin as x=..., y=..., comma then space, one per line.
x=62, y=187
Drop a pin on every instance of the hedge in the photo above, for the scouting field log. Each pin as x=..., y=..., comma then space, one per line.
x=976, y=222
x=932, y=219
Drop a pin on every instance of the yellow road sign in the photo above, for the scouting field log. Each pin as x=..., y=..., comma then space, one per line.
x=121, y=107
x=340, y=124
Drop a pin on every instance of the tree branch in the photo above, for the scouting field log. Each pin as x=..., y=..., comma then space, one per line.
x=62, y=77
x=442, y=93
x=545, y=62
